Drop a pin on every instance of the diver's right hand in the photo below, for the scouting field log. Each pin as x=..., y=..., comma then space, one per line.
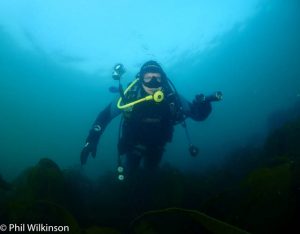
x=88, y=149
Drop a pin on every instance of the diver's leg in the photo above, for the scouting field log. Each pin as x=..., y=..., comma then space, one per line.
x=133, y=159
x=152, y=158
x=150, y=176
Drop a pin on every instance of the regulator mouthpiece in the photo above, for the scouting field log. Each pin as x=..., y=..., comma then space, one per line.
x=158, y=96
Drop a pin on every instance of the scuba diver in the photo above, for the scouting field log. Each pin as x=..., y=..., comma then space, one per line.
x=151, y=108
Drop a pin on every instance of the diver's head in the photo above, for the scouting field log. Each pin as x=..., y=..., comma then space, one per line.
x=152, y=76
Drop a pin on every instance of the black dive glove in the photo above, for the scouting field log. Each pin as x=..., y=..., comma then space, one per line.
x=201, y=106
x=91, y=144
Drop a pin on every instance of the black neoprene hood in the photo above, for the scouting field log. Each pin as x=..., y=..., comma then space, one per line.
x=152, y=66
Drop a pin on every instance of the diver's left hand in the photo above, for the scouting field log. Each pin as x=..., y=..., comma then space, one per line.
x=88, y=149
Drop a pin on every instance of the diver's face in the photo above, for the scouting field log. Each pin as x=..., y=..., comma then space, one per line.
x=152, y=82
x=149, y=77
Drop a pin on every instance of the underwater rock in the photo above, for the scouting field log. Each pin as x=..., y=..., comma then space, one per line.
x=176, y=220
x=47, y=163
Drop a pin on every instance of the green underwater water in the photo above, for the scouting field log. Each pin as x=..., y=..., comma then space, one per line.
x=47, y=108
x=247, y=173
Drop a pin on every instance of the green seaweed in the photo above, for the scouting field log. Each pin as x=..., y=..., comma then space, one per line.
x=177, y=220
x=100, y=230
x=268, y=200
x=284, y=141
x=45, y=181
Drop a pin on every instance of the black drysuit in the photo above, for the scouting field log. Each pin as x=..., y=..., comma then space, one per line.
x=147, y=126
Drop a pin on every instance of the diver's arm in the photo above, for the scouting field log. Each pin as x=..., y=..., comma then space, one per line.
x=102, y=120
x=198, y=110
x=98, y=127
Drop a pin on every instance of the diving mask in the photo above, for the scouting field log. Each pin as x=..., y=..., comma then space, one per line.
x=152, y=80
